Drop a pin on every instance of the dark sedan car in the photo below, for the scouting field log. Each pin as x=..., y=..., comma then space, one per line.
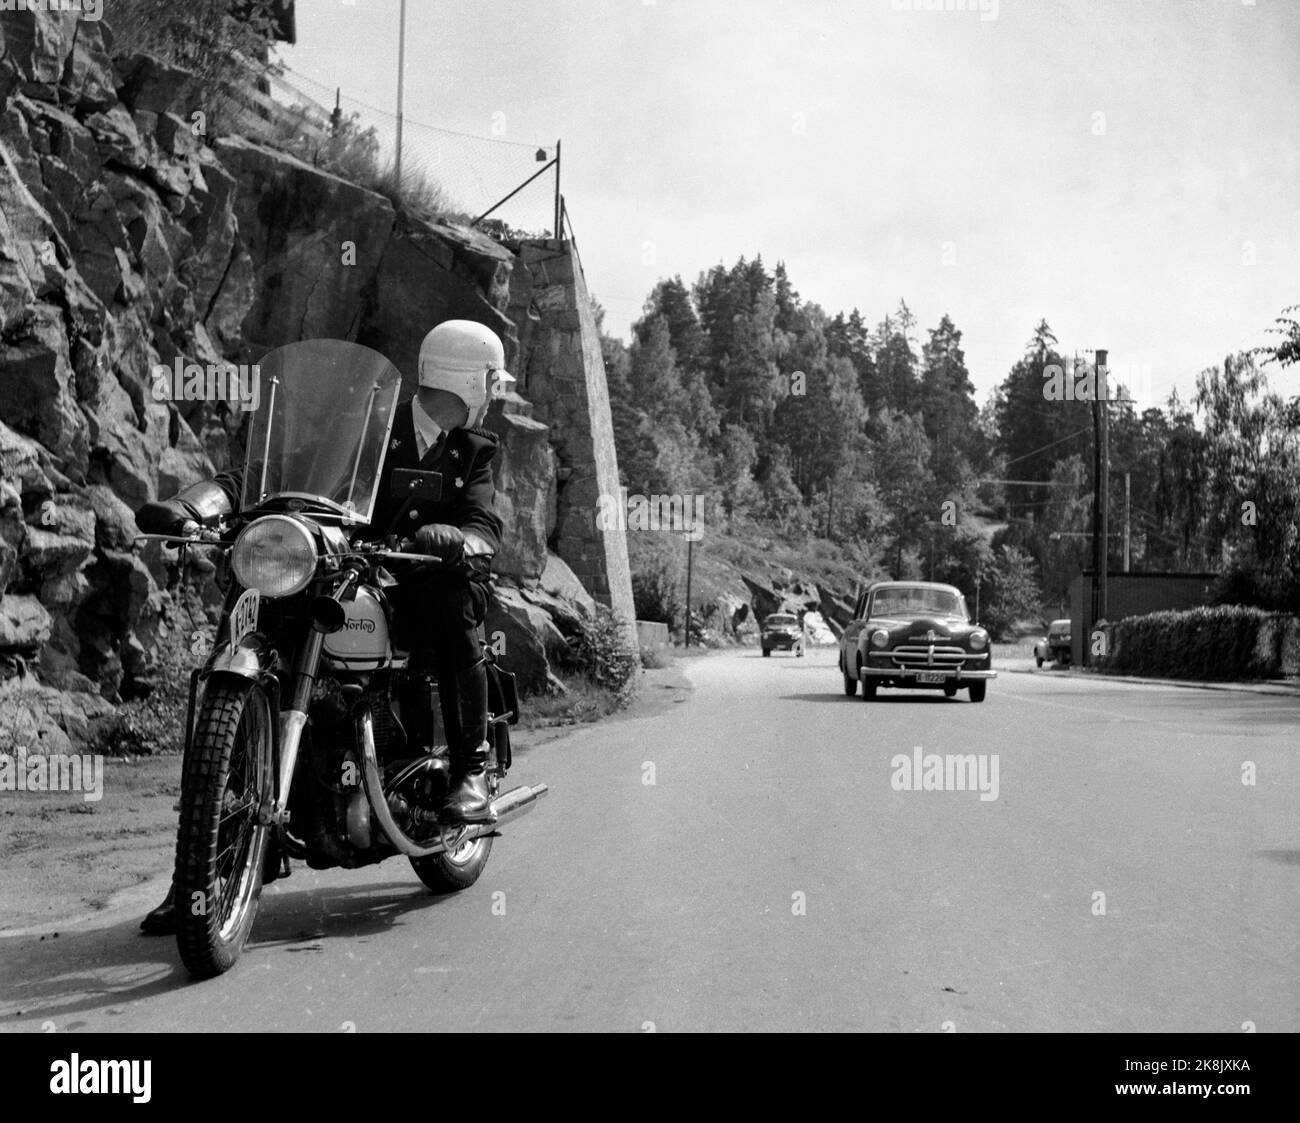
x=782, y=631
x=915, y=634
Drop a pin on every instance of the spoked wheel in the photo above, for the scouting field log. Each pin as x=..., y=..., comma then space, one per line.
x=460, y=865
x=220, y=846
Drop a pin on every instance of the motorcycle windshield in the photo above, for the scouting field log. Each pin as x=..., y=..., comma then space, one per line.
x=319, y=429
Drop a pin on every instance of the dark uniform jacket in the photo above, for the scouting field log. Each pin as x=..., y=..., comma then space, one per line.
x=462, y=456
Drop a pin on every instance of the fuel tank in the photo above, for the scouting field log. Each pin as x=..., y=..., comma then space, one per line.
x=362, y=644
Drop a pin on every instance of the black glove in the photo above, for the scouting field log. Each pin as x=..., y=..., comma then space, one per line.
x=445, y=542
x=165, y=517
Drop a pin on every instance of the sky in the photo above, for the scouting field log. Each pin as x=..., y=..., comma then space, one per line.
x=1127, y=169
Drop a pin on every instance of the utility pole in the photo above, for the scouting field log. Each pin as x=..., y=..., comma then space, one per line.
x=559, y=202
x=1126, y=521
x=401, y=76
x=1100, y=505
x=689, y=560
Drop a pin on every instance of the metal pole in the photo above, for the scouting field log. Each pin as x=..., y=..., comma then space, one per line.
x=1103, y=396
x=401, y=76
x=559, y=233
x=689, y=560
x=1126, y=521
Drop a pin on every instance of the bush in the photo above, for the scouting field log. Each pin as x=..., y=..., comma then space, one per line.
x=604, y=653
x=658, y=577
x=1223, y=643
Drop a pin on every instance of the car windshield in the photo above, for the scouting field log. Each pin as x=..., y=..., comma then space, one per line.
x=780, y=621
x=914, y=601
x=319, y=433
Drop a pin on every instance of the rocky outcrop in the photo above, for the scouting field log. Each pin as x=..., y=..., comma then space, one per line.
x=128, y=242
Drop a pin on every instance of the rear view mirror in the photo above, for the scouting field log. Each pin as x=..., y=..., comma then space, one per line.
x=409, y=483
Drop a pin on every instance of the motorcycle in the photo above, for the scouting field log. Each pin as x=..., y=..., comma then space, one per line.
x=309, y=734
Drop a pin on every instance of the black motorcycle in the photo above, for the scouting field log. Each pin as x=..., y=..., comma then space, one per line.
x=309, y=733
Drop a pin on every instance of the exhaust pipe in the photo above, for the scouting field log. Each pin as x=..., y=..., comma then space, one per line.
x=509, y=805
x=514, y=803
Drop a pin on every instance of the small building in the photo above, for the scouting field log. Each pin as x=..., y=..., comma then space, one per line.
x=1132, y=594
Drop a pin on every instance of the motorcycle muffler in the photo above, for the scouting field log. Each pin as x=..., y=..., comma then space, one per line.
x=516, y=802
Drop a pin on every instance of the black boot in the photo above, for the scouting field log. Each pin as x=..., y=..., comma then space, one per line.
x=162, y=920
x=468, y=800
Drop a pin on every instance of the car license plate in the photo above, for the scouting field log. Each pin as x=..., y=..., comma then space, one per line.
x=243, y=617
x=930, y=676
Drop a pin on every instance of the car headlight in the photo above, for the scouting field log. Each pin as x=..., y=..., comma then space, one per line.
x=979, y=640
x=879, y=638
x=275, y=555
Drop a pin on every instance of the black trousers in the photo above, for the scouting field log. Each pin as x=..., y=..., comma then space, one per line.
x=439, y=617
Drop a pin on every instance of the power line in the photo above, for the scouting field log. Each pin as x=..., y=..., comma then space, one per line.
x=1059, y=440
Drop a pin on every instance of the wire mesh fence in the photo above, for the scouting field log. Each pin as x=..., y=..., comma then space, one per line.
x=468, y=176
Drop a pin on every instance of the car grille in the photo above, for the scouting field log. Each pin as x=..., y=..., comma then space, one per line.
x=924, y=656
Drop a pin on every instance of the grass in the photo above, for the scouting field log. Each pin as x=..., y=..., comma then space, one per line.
x=581, y=703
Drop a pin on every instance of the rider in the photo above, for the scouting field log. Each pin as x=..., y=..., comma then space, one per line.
x=461, y=368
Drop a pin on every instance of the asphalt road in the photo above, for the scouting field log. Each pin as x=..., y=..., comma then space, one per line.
x=771, y=877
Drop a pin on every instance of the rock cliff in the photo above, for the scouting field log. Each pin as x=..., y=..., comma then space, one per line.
x=128, y=241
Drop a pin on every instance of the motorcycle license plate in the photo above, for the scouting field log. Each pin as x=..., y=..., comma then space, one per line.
x=930, y=676
x=243, y=617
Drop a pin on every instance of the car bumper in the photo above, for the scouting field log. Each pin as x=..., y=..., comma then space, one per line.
x=773, y=642
x=909, y=677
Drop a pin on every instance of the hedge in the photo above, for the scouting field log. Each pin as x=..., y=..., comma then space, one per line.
x=1228, y=642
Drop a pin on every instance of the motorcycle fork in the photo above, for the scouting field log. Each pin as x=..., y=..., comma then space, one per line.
x=293, y=719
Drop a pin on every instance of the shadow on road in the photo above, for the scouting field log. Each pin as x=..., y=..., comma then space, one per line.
x=97, y=969
x=1284, y=857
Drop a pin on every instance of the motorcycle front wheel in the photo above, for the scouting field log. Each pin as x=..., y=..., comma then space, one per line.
x=220, y=845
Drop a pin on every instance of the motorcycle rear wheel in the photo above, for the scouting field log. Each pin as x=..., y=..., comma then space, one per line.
x=452, y=872
x=220, y=846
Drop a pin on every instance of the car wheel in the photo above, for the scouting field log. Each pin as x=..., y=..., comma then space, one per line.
x=950, y=691
x=868, y=687
x=978, y=690
x=798, y=652
x=766, y=653
x=1040, y=664
x=850, y=684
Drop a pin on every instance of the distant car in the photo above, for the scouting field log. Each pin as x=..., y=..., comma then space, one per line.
x=1055, y=646
x=914, y=634
x=782, y=631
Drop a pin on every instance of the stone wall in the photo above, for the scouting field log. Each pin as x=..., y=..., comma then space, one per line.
x=562, y=372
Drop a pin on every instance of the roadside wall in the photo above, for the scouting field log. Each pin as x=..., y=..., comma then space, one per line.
x=562, y=372
x=1132, y=594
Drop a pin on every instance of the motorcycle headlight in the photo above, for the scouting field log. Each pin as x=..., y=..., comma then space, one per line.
x=879, y=638
x=275, y=555
x=979, y=640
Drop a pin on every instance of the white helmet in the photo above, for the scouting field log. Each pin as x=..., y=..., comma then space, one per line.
x=466, y=359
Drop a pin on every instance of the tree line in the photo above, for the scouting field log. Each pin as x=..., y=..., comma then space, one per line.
x=803, y=425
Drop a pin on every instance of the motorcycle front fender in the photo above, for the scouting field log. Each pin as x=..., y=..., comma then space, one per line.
x=251, y=658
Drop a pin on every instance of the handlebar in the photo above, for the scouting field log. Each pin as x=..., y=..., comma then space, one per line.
x=191, y=534
x=194, y=535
